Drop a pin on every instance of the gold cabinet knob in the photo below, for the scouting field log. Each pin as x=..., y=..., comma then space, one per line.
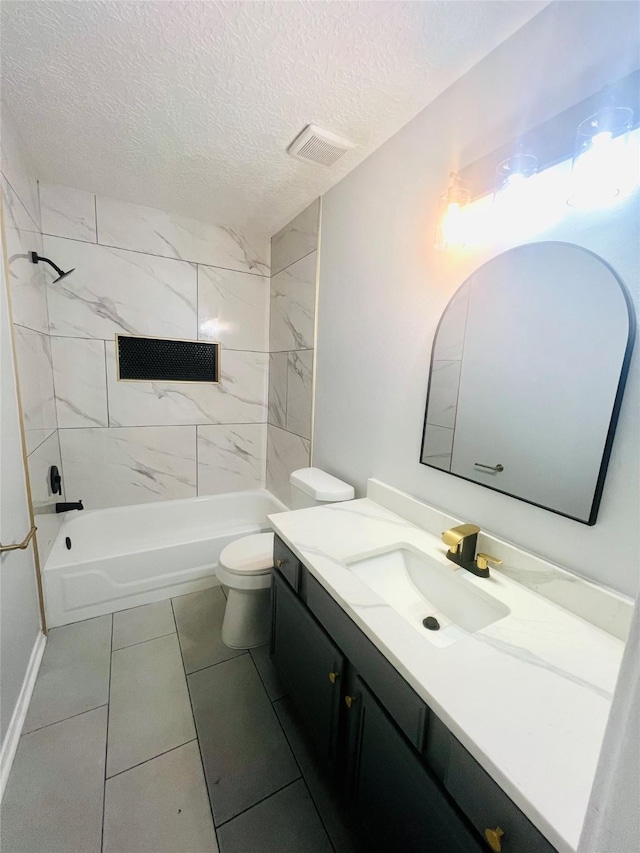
x=493, y=836
x=483, y=560
x=278, y=563
x=333, y=677
x=349, y=700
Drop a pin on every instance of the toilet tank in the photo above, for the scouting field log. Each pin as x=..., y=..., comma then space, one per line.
x=313, y=487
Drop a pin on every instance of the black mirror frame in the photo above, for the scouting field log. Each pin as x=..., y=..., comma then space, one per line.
x=615, y=412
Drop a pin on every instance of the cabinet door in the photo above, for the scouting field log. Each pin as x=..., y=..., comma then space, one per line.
x=487, y=806
x=308, y=662
x=286, y=562
x=399, y=804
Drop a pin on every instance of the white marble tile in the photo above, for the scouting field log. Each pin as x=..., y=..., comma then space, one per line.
x=114, y=291
x=240, y=396
x=296, y=239
x=437, y=447
x=233, y=308
x=443, y=393
x=35, y=374
x=449, y=341
x=15, y=213
x=67, y=212
x=18, y=169
x=231, y=458
x=285, y=453
x=47, y=520
x=40, y=461
x=120, y=467
x=299, y=392
x=79, y=375
x=26, y=280
x=293, y=294
x=278, y=389
x=144, y=229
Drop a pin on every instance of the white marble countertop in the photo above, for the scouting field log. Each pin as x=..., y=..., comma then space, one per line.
x=528, y=696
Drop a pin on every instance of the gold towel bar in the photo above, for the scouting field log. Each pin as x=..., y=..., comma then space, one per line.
x=20, y=546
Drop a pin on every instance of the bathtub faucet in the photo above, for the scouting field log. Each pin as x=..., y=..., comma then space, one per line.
x=65, y=507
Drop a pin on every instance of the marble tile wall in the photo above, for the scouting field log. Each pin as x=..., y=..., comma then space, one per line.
x=147, y=272
x=291, y=344
x=22, y=228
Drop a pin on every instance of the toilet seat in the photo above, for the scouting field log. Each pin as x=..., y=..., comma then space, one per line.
x=247, y=562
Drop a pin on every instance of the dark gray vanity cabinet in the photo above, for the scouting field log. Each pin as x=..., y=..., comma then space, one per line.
x=309, y=664
x=413, y=786
x=287, y=563
x=399, y=804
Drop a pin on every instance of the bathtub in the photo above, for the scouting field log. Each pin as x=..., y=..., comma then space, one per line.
x=127, y=556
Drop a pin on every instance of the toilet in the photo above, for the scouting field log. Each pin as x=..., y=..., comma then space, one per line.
x=245, y=565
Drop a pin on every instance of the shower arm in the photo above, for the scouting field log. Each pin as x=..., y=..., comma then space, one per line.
x=36, y=258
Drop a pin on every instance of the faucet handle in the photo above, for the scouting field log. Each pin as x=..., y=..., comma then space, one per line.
x=483, y=560
x=455, y=535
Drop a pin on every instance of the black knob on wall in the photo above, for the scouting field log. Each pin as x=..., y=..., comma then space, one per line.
x=55, y=480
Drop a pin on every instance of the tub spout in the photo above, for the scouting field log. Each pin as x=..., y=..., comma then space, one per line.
x=65, y=507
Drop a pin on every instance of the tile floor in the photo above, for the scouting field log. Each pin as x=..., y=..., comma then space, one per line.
x=145, y=734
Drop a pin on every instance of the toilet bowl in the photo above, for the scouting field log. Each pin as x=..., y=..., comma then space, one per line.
x=244, y=566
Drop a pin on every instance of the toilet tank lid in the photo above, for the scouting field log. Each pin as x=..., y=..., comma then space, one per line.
x=320, y=485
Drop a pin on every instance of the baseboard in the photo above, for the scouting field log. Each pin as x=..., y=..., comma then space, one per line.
x=10, y=744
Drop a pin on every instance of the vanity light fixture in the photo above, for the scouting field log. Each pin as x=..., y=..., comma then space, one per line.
x=451, y=224
x=595, y=169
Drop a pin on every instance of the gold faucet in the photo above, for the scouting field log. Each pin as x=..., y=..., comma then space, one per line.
x=461, y=538
x=462, y=541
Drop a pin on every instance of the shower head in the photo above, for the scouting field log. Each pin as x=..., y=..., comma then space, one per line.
x=35, y=258
x=64, y=275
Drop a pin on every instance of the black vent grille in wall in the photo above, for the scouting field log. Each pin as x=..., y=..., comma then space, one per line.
x=157, y=359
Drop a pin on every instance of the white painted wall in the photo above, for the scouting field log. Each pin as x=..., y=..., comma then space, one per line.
x=383, y=286
x=613, y=819
x=19, y=614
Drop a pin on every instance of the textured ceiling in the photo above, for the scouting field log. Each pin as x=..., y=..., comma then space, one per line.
x=190, y=106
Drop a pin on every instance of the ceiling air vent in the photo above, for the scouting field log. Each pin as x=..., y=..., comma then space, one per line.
x=319, y=146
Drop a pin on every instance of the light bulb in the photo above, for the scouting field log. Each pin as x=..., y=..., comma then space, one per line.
x=453, y=221
x=517, y=179
x=595, y=173
x=598, y=167
x=602, y=138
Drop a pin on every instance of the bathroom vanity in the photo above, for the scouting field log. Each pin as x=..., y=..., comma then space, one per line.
x=481, y=735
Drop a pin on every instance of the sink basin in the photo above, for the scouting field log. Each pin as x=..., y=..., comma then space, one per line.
x=417, y=586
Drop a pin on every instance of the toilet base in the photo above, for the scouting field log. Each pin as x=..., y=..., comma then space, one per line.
x=247, y=618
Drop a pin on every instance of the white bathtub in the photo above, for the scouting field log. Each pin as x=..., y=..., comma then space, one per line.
x=127, y=556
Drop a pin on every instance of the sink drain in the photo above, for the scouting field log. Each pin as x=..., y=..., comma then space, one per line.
x=431, y=623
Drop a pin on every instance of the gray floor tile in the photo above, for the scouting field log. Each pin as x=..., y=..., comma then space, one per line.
x=149, y=706
x=74, y=675
x=245, y=754
x=199, y=620
x=142, y=623
x=287, y=822
x=160, y=807
x=339, y=825
x=267, y=672
x=53, y=799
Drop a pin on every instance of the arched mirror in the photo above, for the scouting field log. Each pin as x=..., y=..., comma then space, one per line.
x=527, y=374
